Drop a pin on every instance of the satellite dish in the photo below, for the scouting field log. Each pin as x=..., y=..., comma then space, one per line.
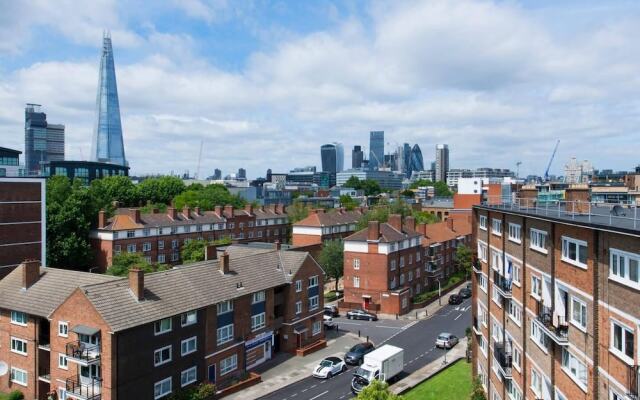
x=4, y=368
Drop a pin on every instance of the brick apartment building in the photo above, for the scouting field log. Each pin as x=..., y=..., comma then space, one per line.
x=440, y=242
x=321, y=225
x=556, y=295
x=160, y=236
x=92, y=336
x=22, y=222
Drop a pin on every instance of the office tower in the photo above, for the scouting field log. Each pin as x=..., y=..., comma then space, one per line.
x=43, y=142
x=578, y=171
x=376, y=149
x=406, y=159
x=442, y=162
x=332, y=157
x=269, y=175
x=107, y=143
x=242, y=173
x=415, y=164
x=357, y=155
x=217, y=174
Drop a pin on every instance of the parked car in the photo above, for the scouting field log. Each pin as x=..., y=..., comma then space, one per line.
x=465, y=293
x=446, y=340
x=455, y=299
x=331, y=311
x=355, y=355
x=328, y=321
x=361, y=314
x=329, y=367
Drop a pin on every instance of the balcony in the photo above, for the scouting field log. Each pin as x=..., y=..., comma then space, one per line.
x=502, y=284
x=433, y=270
x=84, y=388
x=502, y=354
x=82, y=353
x=477, y=267
x=555, y=326
x=632, y=382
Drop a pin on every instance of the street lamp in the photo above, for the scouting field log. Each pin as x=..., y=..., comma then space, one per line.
x=439, y=292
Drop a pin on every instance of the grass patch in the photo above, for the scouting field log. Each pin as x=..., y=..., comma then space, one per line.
x=330, y=296
x=454, y=383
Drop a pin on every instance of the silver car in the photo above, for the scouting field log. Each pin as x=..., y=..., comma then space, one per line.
x=446, y=340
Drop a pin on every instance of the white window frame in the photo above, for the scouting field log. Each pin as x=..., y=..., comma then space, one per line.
x=298, y=286
x=189, y=318
x=162, y=360
x=571, y=365
x=565, y=243
x=356, y=263
x=185, y=374
x=63, y=362
x=163, y=391
x=19, y=346
x=161, y=258
x=517, y=358
x=258, y=321
x=158, y=329
x=356, y=281
x=224, y=334
x=483, y=282
x=515, y=313
x=616, y=269
x=224, y=307
x=258, y=297
x=620, y=353
x=63, y=329
x=539, y=337
x=20, y=371
x=482, y=222
x=482, y=252
x=582, y=325
x=298, y=307
x=316, y=328
x=192, y=341
x=538, y=240
x=18, y=321
x=314, y=302
x=313, y=281
x=536, y=382
x=228, y=364
x=515, y=233
x=536, y=283
x=496, y=226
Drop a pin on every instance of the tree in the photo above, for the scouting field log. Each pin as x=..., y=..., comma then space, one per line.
x=207, y=198
x=161, y=189
x=70, y=210
x=193, y=251
x=380, y=214
x=115, y=188
x=123, y=262
x=463, y=259
x=348, y=202
x=332, y=259
x=423, y=217
x=298, y=211
x=370, y=187
x=407, y=193
x=441, y=189
x=353, y=182
x=377, y=390
x=478, y=391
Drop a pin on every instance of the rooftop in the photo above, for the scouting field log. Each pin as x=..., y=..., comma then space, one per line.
x=329, y=218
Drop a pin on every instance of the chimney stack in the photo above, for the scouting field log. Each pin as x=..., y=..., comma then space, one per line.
x=102, y=219
x=136, y=283
x=223, y=264
x=134, y=213
x=373, y=230
x=218, y=211
x=186, y=211
x=228, y=211
x=210, y=252
x=172, y=212
x=197, y=210
x=249, y=208
x=410, y=223
x=421, y=228
x=449, y=222
x=395, y=220
x=30, y=273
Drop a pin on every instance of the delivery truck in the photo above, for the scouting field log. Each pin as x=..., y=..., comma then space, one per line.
x=384, y=364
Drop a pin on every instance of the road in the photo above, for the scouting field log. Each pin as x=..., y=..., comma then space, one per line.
x=417, y=338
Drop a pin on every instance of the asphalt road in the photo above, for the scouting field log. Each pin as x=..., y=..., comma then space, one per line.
x=417, y=338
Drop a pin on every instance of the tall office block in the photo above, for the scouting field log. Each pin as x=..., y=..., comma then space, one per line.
x=43, y=142
x=242, y=173
x=416, y=163
x=406, y=159
x=217, y=174
x=332, y=157
x=376, y=149
x=107, y=145
x=357, y=156
x=442, y=162
x=339, y=157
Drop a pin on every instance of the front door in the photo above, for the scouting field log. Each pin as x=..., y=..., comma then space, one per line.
x=367, y=301
x=211, y=373
x=267, y=350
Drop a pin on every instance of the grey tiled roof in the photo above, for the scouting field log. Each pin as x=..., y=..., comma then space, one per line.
x=190, y=287
x=44, y=296
x=387, y=234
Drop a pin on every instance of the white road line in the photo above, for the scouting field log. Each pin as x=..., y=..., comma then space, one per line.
x=321, y=394
x=460, y=315
x=304, y=390
x=313, y=386
x=347, y=323
x=388, y=327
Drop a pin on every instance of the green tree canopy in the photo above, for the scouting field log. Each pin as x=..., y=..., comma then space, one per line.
x=348, y=202
x=332, y=259
x=193, y=251
x=370, y=187
x=423, y=217
x=161, y=189
x=123, y=262
x=377, y=390
x=115, y=188
x=441, y=189
x=464, y=259
x=298, y=211
x=207, y=198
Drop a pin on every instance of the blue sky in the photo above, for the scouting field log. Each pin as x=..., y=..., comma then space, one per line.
x=265, y=83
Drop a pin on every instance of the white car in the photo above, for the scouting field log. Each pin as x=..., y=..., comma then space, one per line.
x=328, y=321
x=329, y=367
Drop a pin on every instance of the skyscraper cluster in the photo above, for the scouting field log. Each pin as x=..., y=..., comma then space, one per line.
x=43, y=141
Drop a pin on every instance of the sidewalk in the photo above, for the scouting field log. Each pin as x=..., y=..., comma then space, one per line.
x=426, y=372
x=424, y=312
x=285, y=369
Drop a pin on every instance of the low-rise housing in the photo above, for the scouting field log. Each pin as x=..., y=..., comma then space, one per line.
x=321, y=225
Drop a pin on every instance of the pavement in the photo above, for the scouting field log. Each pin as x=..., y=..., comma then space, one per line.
x=292, y=379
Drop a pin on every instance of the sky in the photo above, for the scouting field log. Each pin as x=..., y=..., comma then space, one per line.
x=263, y=84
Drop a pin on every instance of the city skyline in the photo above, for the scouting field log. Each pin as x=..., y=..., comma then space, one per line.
x=178, y=87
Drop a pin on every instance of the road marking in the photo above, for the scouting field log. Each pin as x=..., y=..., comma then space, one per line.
x=313, y=386
x=460, y=315
x=304, y=390
x=321, y=394
x=388, y=327
x=294, y=395
x=348, y=323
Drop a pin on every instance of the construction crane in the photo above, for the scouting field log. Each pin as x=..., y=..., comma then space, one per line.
x=546, y=172
x=199, y=159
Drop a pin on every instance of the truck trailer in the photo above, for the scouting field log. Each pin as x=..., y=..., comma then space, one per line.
x=384, y=364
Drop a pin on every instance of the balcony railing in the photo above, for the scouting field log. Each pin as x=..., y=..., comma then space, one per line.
x=503, y=284
x=88, y=390
x=632, y=382
x=556, y=326
x=83, y=353
x=502, y=354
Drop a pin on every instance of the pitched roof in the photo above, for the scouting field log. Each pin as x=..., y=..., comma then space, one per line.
x=441, y=232
x=331, y=218
x=194, y=286
x=387, y=234
x=53, y=287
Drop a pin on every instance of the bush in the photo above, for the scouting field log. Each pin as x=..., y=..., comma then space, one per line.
x=330, y=296
x=15, y=395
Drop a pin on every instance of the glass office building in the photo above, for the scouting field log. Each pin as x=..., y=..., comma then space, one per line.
x=43, y=142
x=376, y=149
x=416, y=163
x=107, y=143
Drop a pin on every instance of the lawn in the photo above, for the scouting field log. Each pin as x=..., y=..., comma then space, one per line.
x=454, y=383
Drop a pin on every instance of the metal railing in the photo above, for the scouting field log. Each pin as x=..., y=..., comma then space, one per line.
x=559, y=328
x=90, y=390
x=503, y=284
x=502, y=354
x=78, y=350
x=626, y=214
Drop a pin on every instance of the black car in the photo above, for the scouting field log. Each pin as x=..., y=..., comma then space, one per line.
x=361, y=314
x=455, y=299
x=355, y=356
x=465, y=293
x=331, y=311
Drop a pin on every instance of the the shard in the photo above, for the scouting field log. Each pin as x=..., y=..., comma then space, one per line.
x=107, y=145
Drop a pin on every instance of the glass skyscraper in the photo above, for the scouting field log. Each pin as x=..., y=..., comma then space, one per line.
x=442, y=162
x=332, y=157
x=107, y=145
x=376, y=149
x=416, y=164
x=43, y=142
